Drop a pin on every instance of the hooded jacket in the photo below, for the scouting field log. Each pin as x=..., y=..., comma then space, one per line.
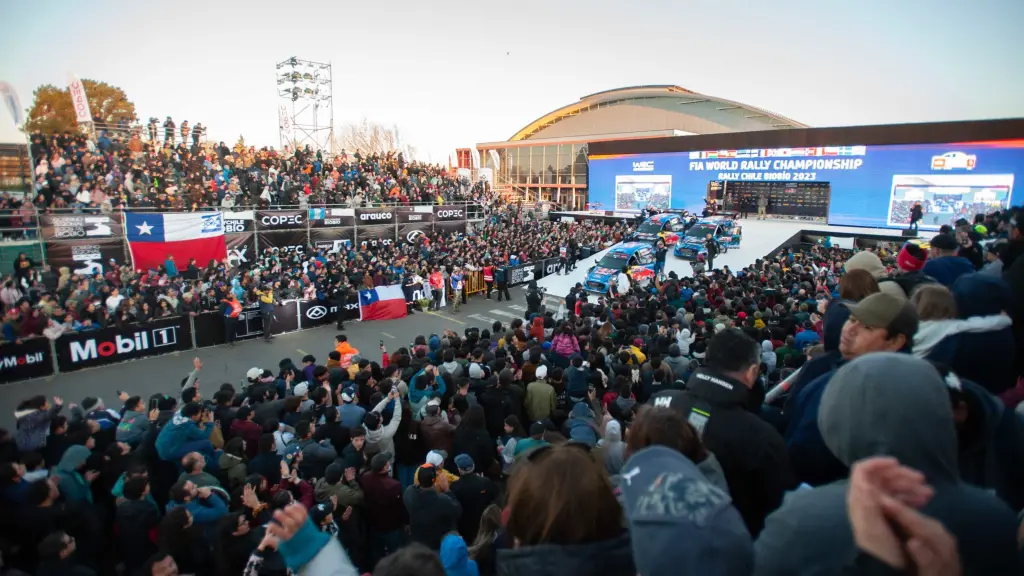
x=382, y=439
x=580, y=427
x=177, y=433
x=768, y=355
x=984, y=356
x=133, y=427
x=72, y=484
x=864, y=415
x=33, y=426
x=348, y=494
x=612, y=557
x=455, y=557
x=946, y=269
x=991, y=451
x=613, y=448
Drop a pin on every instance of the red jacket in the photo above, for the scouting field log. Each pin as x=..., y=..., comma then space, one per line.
x=250, y=432
x=383, y=496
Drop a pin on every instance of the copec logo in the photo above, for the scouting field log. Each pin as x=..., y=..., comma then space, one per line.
x=8, y=362
x=92, y=349
x=449, y=213
x=283, y=220
x=375, y=216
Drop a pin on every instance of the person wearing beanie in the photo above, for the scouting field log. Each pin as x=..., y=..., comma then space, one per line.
x=350, y=413
x=540, y=396
x=943, y=264
x=866, y=260
x=911, y=258
x=475, y=492
x=910, y=262
x=581, y=425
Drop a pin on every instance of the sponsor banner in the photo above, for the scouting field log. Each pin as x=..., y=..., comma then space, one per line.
x=449, y=213
x=520, y=274
x=238, y=225
x=547, y=267
x=30, y=359
x=376, y=216
x=81, y=226
x=241, y=249
x=331, y=239
x=280, y=219
x=328, y=217
x=288, y=241
x=413, y=214
x=373, y=236
x=210, y=325
x=111, y=345
x=85, y=256
x=320, y=313
x=448, y=228
x=411, y=233
x=414, y=292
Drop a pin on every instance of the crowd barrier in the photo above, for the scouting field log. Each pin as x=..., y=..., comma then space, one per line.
x=72, y=351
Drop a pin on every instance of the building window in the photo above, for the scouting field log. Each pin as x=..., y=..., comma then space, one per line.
x=579, y=168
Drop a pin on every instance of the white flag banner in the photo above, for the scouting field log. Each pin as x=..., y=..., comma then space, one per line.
x=10, y=98
x=79, y=100
x=494, y=159
x=474, y=156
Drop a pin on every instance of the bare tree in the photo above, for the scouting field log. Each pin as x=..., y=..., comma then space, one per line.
x=369, y=137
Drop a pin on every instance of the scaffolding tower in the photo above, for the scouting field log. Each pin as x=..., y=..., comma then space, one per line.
x=306, y=109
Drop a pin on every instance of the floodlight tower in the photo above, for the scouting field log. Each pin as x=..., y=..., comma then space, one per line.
x=306, y=109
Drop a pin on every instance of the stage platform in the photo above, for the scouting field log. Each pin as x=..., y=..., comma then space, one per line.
x=760, y=238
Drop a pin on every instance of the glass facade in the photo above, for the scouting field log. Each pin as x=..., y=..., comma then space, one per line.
x=551, y=165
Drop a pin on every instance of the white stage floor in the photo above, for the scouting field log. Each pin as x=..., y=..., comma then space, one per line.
x=759, y=238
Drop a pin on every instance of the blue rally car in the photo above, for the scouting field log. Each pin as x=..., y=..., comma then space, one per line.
x=727, y=232
x=667, y=227
x=637, y=258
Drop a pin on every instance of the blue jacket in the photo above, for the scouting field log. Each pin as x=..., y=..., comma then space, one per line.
x=806, y=338
x=206, y=511
x=176, y=434
x=351, y=414
x=73, y=486
x=581, y=426
x=416, y=396
x=946, y=269
x=172, y=269
x=455, y=557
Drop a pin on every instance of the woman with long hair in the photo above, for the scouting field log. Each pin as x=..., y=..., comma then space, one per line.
x=564, y=518
x=490, y=537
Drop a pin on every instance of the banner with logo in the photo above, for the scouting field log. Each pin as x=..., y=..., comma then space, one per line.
x=79, y=100
x=448, y=228
x=415, y=214
x=85, y=256
x=449, y=213
x=331, y=239
x=209, y=326
x=321, y=313
x=81, y=226
x=237, y=225
x=413, y=292
x=328, y=217
x=287, y=241
x=241, y=249
x=520, y=274
x=30, y=359
x=411, y=233
x=111, y=345
x=375, y=216
x=373, y=236
x=280, y=219
x=547, y=267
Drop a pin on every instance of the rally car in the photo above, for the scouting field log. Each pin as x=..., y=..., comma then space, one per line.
x=668, y=227
x=635, y=257
x=726, y=231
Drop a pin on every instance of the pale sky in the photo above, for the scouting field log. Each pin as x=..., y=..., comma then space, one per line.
x=451, y=74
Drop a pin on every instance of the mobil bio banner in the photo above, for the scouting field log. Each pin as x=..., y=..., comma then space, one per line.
x=870, y=186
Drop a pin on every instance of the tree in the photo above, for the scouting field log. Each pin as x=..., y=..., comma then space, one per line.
x=240, y=144
x=52, y=110
x=369, y=137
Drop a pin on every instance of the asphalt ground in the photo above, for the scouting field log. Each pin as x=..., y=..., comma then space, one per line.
x=163, y=374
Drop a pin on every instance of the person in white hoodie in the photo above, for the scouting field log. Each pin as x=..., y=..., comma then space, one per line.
x=684, y=339
x=380, y=438
x=768, y=355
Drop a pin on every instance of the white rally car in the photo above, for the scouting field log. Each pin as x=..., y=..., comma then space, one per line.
x=954, y=161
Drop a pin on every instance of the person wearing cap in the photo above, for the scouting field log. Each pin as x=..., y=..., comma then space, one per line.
x=385, y=512
x=350, y=413
x=720, y=402
x=435, y=430
x=540, y=396
x=943, y=263
x=879, y=323
x=433, y=511
x=322, y=516
x=316, y=456
x=893, y=405
x=475, y=493
x=679, y=522
x=909, y=262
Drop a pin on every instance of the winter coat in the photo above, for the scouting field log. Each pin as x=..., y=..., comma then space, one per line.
x=177, y=433
x=72, y=484
x=133, y=427
x=348, y=494
x=609, y=558
x=381, y=439
x=33, y=426
x=580, y=427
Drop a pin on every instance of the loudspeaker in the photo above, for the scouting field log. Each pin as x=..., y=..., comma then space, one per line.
x=910, y=233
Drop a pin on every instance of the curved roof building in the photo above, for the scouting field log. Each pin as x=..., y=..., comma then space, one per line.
x=547, y=158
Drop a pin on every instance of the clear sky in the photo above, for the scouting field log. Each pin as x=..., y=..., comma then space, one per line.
x=451, y=74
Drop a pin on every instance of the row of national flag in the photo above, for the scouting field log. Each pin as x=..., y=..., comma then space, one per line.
x=779, y=152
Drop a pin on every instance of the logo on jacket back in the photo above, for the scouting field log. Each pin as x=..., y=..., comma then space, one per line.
x=375, y=216
x=8, y=362
x=91, y=349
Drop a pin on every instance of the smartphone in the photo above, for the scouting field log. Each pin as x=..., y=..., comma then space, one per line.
x=381, y=343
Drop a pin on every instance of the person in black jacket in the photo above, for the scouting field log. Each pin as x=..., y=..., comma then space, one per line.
x=471, y=438
x=433, y=511
x=501, y=279
x=916, y=214
x=720, y=403
x=712, y=247
x=136, y=516
x=475, y=493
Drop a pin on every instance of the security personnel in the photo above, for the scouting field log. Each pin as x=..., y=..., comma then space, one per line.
x=712, y=248
x=339, y=295
x=266, y=296
x=230, y=309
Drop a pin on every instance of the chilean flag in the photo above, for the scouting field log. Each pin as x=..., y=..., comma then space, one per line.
x=186, y=235
x=382, y=303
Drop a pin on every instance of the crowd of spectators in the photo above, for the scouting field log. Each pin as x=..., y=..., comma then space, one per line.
x=820, y=411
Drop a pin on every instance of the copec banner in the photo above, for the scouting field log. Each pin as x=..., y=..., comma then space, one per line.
x=873, y=186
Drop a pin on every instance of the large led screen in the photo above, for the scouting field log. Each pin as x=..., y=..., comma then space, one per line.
x=872, y=186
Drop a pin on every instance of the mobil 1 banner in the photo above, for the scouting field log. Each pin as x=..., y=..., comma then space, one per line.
x=110, y=345
x=81, y=226
x=315, y=313
x=449, y=213
x=449, y=228
x=520, y=274
x=241, y=249
x=30, y=359
x=376, y=216
x=85, y=256
x=374, y=236
x=288, y=241
x=331, y=240
x=280, y=219
x=331, y=217
x=413, y=233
